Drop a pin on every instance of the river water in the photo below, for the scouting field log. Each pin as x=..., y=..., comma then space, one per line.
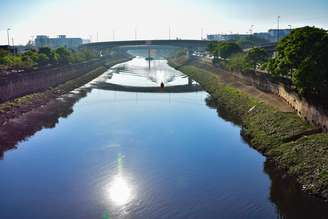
x=125, y=148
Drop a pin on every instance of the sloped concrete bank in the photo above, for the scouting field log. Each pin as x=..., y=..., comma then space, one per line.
x=17, y=84
x=294, y=145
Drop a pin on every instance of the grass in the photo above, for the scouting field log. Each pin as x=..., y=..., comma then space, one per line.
x=284, y=137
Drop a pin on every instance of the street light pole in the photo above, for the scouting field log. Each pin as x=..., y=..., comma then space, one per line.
x=251, y=29
x=290, y=27
x=8, y=38
x=278, y=29
x=169, y=33
x=13, y=43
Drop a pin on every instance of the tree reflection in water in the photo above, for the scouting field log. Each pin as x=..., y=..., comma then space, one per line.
x=26, y=125
x=285, y=193
x=289, y=199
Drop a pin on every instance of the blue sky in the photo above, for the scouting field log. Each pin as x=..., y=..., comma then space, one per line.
x=152, y=19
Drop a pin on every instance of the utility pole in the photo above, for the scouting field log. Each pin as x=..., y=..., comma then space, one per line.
x=278, y=29
x=169, y=33
x=97, y=37
x=135, y=33
x=251, y=29
x=201, y=34
x=8, y=38
x=12, y=41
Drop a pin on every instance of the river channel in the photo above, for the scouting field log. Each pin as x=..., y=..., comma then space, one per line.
x=126, y=148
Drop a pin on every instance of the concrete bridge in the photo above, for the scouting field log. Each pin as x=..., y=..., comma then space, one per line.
x=269, y=47
x=189, y=44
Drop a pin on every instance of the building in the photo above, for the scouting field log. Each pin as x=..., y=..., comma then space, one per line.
x=272, y=35
x=60, y=41
x=278, y=33
x=225, y=37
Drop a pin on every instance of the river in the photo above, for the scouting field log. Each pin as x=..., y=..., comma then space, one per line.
x=125, y=148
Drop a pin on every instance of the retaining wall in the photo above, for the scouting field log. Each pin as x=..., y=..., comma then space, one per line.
x=311, y=113
x=23, y=83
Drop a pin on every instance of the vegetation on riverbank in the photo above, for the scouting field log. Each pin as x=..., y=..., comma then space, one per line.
x=43, y=57
x=286, y=139
x=14, y=108
x=300, y=58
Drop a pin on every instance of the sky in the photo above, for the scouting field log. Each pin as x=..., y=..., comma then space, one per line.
x=152, y=19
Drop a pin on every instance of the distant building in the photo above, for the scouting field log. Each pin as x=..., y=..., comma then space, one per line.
x=60, y=41
x=85, y=41
x=281, y=33
x=271, y=36
x=225, y=37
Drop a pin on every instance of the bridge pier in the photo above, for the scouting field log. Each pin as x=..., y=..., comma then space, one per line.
x=189, y=81
x=149, y=57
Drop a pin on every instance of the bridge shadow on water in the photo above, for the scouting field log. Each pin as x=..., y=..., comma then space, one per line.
x=152, y=89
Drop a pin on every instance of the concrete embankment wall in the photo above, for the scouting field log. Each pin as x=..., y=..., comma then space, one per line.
x=313, y=114
x=19, y=84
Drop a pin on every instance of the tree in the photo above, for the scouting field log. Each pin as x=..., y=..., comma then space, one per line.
x=3, y=52
x=256, y=56
x=303, y=56
x=52, y=56
x=43, y=59
x=251, y=41
x=237, y=62
x=64, y=55
x=227, y=49
x=45, y=50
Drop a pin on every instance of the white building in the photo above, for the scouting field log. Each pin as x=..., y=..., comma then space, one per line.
x=60, y=41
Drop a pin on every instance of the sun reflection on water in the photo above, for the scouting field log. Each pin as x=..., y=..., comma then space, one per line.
x=120, y=192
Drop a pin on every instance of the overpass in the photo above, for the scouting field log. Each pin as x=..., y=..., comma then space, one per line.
x=190, y=44
x=269, y=47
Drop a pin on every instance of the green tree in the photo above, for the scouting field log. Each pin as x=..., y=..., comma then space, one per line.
x=237, y=62
x=303, y=56
x=52, y=55
x=227, y=49
x=256, y=56
x=64, y=55
x=43, y=59
x=3, y=52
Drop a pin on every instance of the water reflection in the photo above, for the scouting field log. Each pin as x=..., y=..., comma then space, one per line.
x=134, y=77
x=84, y=179
x=119, y=190
x=289, y=199
x=47, y=116
x=134, y=73
x=285, y=192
